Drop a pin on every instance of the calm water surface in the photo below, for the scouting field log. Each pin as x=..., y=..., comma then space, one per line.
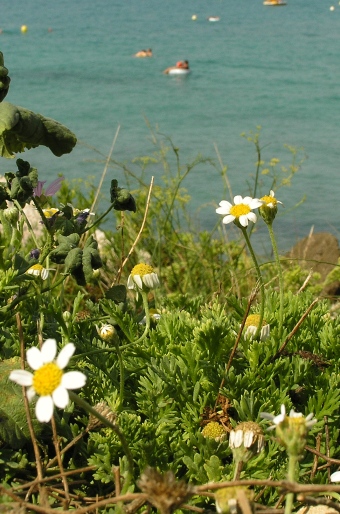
x=277, y=68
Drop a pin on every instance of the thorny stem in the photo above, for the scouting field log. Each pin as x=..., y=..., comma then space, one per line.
x=258, y=271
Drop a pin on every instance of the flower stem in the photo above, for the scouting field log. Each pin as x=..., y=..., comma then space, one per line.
x=258, y=271
x=279, y=269
x=292, y=464
x=121, y=374
x=90, y=410
x=147, y=321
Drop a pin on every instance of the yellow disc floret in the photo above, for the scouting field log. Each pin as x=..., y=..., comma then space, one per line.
x=47, y=378
x=269, y=200
x=213, y=430
x=142, y=269
x=253, y=320
x=240, y=210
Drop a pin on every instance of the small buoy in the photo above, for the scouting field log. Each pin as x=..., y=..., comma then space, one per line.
x=332, y=8
x=24, y=28
x=194, y=17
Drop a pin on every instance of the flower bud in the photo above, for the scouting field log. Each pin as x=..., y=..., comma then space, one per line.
x=106, y=332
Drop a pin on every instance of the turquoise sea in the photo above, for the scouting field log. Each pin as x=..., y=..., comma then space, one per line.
x=274, y=67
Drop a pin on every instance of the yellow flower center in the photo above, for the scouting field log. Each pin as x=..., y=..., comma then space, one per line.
x=36, y=269
x=47, y=378
x=253, y=320
x=269, y=200
x=240, y=210
x=142, y=269
x=213, y=430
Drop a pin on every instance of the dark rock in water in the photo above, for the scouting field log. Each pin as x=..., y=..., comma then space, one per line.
x=319, y=252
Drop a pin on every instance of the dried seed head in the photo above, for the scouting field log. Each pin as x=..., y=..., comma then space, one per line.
x=103, y=409
x=164, y=491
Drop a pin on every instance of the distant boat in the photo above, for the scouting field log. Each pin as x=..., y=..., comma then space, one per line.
x=274, y=2
x=213, y=18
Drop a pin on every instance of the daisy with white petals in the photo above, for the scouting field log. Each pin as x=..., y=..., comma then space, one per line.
x=143, y=278
x=37, y=270
x=49, y=381
x=291, y=430
x=240, y=213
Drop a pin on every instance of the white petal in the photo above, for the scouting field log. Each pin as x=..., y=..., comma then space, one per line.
x=223, y=210
x=130, y=283
x=248, y=438
x=21, y=377
x=247, y=200
x=73, y=380
x=272, y=193
x=252, y=217
x=34, y=358
x=255, y=203
x=238, y=199
x=44, y=273
x=49, y=350
x=151, y=280
x=228, y=219
x=335, y=477
x=65, y=355
x=60, y=397
x=225, y=203
x=266, y=415
x=138, y=281
x=44, y=409
x=243, y=219
x=238, y=438
x=30, y=393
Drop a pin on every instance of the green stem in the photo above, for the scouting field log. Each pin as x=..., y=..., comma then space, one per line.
x=279, y=268
x=147, y=321
x=29, y=226
x=121, y=373
x=49, y=238
x=292, y=464
x=90, y=410
x=258, y=271
x=98, y=220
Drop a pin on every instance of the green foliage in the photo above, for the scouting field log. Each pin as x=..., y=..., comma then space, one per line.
x=14, y=430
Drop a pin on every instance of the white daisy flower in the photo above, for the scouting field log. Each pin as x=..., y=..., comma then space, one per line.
x=268, y=208
x=48, y=381
x=294, y=417
x=39, y=271
x=251, y=324
x=142, y=277
x=240, y=213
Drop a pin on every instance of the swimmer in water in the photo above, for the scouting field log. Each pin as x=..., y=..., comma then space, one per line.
x=144, y=53
x=180, y=65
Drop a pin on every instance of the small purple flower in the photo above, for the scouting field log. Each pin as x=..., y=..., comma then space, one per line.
x=83, y=215
x=34, y=254
x=50, y=190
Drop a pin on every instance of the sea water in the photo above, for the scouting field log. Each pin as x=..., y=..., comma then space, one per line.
x=274, y=67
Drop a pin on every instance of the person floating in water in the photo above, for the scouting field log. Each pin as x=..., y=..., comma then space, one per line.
x=180, y=65
x=144, y=53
